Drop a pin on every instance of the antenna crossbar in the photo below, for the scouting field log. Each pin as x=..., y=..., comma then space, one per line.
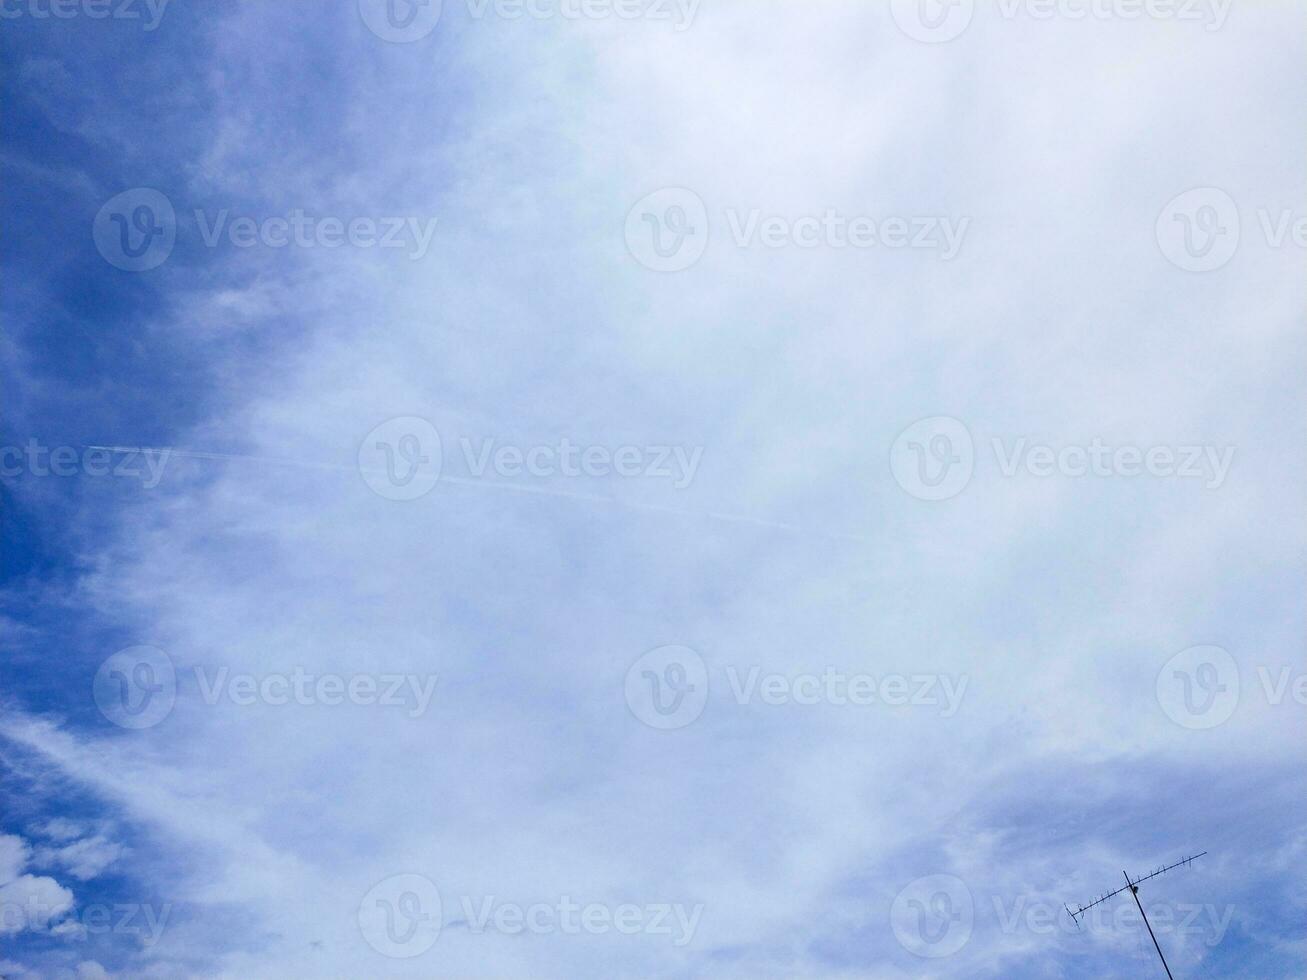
x=1082, y=909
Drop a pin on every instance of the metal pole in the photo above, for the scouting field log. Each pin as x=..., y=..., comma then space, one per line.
x=1135, y=893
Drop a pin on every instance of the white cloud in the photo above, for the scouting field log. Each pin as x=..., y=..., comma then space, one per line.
x=83, y=859
x=63, y=829
x=31, y=902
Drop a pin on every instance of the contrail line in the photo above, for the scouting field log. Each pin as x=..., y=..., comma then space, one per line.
x=724, y=517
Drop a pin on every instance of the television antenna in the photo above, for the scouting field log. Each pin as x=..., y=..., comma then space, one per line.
x=1133, y=888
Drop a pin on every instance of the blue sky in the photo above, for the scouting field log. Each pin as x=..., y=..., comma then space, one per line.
x=720, y=492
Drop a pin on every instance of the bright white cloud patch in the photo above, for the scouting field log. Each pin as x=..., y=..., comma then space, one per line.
x=62, y=829
x=83, y=859
x=27, y=902
x=31, y=902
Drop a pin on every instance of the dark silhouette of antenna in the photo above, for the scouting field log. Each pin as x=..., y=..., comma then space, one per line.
x=1133, y=888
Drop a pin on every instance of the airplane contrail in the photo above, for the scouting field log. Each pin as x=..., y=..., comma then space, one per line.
x=721, y=516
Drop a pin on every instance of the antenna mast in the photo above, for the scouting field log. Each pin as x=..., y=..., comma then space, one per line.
x=1133, y=888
